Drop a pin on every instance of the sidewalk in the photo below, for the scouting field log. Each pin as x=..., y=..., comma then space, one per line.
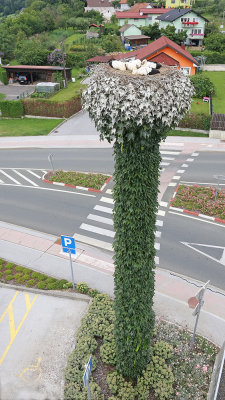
x=42, y=252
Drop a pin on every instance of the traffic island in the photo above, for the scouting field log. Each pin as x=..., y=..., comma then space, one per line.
x=78, y=180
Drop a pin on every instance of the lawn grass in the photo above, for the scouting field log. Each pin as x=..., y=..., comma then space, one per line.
x=201, y=199
x=218, y=78
x=187, y=133
x=73, y=89
x=27, y=126
x=89, y=180
x=2, y=96
x=73, y=38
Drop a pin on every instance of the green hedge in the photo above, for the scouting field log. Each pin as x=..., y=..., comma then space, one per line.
x=196, y=121
x=12, y=109
x=212, y=57
x=46, y=108
x=3, y=76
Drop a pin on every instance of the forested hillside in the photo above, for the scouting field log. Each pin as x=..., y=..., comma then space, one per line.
x=10, y=6
x=210, y=7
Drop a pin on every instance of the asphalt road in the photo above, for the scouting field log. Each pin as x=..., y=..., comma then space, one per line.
x=36, y=336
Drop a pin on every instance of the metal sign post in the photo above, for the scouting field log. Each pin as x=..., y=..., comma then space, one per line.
x=68, y=246
x=87, y=373
x=199, y=297
x=50, y=159
x=219, y=178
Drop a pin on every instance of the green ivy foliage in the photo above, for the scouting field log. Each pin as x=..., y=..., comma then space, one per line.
x=12, y=109
x=135, y=194
x=3, y=76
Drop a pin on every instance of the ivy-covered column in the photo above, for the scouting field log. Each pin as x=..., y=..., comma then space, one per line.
x=135, y=113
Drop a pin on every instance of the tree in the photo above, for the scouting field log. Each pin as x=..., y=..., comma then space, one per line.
x=55, y=58
x=152, y=31
x=170, y=32
x=134, y=114
x=111, y=43
x=203, y=85
x=211, y=27
x=31, y=52
x=215, y=42
x=116, y=3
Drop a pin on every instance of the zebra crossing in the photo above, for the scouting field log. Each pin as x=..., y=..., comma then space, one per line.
x=97, y=230
x=21, y=176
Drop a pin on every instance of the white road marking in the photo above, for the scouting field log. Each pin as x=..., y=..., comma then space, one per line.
x=159, y=222
x=203, y=183
x=197, y=219
x=93, y=242
x=184, y=165
x=107, y=200
x=24, y=177
x=206, y=216
x=172, y=144
x=33, y=173
x=163, y=203
x=97, y=218
x=172, y=184
x=157, y=246
x=1, y=181
x=45, y=172
x=158, y=234
x=176, y=209
x=181, y=171
x=175, y=153
x=165, y=164
x=195, y=154
x=220, y=261
x=109, y=191
x=162, y=169
x=99, y=231
x=156, y=260
x=190, y=159
x=53, y=190
x=176, y=177
x=8, y=176
x=168, y=158
x=104, y=209
x=161, y=213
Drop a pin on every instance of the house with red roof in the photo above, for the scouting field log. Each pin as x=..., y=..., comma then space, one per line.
x=124, y=5
x=140, y=15
x=164, y=51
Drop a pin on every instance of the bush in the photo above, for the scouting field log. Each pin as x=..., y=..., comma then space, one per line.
x=19, y=269
x=30, y=283
x=196, y=121
x=46, y=108
x=1, y=266
x=3, y=76
x=212, y=57
x=0, y=275
x=9, y=278
x=203, y=85
x=23, y=278
x=41, y=285
x=18, y=275
x=9, y=266
x=82, y=287
x=67, y=285
x=93, y=292
x=12, y=109
x=8, y=272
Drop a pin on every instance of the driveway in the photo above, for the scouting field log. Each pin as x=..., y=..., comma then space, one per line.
x=16, y=91
x=36, y=336
x=78, y=124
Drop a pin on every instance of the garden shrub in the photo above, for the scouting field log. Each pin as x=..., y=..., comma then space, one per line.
x=203, y=85
x=47, y=108
x=1, y=266
x=18, y=275
x=82, y=287
x=9, y=266
x=8, y=277
x=8, y=272
x=12, y=109
x=19, y=269
x=0, y=275
x=67, y=285
x=31, y=282
x=41, y=285
x=93, y=292
x=3, y=76
x=108, y=353
x=196, y=121
x=212, y=57
x=50, y=280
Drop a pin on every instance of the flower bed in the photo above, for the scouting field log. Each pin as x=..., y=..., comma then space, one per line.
x=88, y=180
x=173, y=372
x=201, y=199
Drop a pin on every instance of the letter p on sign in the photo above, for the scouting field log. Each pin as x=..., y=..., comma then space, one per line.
x=68, y=244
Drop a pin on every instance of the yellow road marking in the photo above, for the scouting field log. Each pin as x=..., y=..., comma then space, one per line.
x=9, y=311
x=32, y=369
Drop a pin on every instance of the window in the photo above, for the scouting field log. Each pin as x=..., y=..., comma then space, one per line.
x=186, y=70
x=136, y=19
x=149, y=17
x=199, y=31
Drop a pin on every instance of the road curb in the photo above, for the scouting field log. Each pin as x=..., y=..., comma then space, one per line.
x=196, y=214
x=54, y=293
x=73, y=186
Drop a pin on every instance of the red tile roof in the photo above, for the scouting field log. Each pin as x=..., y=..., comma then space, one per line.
x=123, y=1
x=163, y=58
x=154, y=47
x=100, y=59
x=128, y=14
x=43, y=67
x=136, y=7
x=154, y=10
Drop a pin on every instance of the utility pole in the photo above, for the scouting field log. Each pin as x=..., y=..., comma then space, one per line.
x=64, y=63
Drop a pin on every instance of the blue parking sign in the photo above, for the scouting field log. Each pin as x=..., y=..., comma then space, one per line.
x=68, y=244
x=87, y=372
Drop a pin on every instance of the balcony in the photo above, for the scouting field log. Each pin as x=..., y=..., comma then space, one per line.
x=190, y=22
x=196, y=34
